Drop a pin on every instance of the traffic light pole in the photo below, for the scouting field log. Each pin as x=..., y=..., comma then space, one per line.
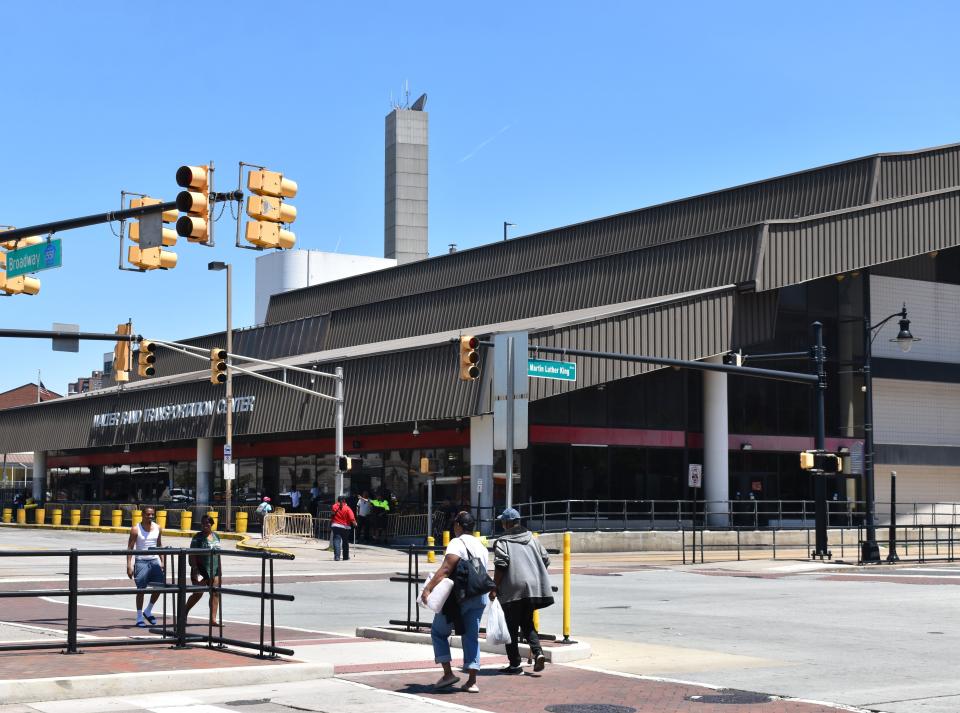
x=228, y=484
x=60, y=226
x=819, y=357
x=57, y=334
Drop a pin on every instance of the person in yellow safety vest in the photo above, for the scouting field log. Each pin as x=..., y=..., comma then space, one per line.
x=381, y=507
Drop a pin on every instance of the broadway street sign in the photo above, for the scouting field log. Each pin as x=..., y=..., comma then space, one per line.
x=548, y=369
x=33, y=258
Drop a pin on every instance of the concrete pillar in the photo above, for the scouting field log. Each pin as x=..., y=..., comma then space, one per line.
x=716, y=445
x=481, y=471
x=204, y=470
x=40, y=476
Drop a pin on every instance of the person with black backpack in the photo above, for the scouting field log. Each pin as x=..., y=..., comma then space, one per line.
x=465, y=561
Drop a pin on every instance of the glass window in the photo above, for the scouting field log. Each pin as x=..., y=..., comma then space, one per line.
x=590, y=476
x=628, y=473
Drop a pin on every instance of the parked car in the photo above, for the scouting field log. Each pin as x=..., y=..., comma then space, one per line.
x=179, y=495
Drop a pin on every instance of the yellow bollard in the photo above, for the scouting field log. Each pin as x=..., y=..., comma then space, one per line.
x=39, y=515
x=116, y=518
x=186, y=519
x=446, y=538
x=56, y=517
x=21, y=517
x=8, y=514
x=135, y=517
x=213, y=514
x=75, y=517
x=162, y=519
x=536, y=612
x=94, y=518
x=241, y=523
x=431, y=555
x=566, y=587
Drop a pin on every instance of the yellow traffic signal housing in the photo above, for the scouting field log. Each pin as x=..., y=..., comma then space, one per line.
x=270, y=235
x=195, y=225
x=151, y=258
x=806, y=460
x=146, y=359
x=267, y=208
x=22, y=242
x=218, y=366
x=469, y=358
x=121, y=354
x=168, y=216
x=20, y=285
x=271, y=209
x=271, y=183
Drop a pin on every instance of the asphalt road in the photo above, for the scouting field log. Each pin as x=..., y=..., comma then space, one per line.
x=883, y=639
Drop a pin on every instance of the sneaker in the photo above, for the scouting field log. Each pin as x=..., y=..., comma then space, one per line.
x=512, y=670
x=152, y=619
x=540, y=663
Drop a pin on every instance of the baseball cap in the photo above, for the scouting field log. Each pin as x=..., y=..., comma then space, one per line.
x=509, y=514
x=266, y=500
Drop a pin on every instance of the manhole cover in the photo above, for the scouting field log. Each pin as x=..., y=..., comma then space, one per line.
x=589, y=708
x=249, y=702
x=731, y=698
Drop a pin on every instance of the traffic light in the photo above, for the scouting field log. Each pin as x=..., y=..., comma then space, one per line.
x=344, y=464
x=218, y=366
x=469, y=357
x=121, y=354
x=155, y=257
x=823, y=462
x=268, y=210
x=734, y=358
x=146, y=358
x=195, y=202
x=19, y=285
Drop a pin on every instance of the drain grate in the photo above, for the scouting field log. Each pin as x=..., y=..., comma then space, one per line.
x=731, y=698
x=589, y=708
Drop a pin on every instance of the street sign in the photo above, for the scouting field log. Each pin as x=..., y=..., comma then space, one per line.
x=549, y=369
x=520, y=423
x=34, y=258
x=227, y=453
x=66, y=344
x=229, y=471
x=695, y=475
x=501, y=364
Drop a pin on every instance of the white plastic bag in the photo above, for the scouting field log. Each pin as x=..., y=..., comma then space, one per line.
x=438, y=596
x=497, y=631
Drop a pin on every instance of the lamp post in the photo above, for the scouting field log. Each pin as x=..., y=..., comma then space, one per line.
x=870, y=550
x=228, y=484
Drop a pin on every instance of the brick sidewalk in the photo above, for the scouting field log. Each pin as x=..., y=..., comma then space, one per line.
x=561, y=686
x=20, y=665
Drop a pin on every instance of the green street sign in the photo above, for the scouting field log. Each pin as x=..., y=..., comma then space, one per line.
x=548, y=369
x=34, y=258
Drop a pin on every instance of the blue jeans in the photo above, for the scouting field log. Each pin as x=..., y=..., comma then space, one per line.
x=471, y=610
x=341, y=540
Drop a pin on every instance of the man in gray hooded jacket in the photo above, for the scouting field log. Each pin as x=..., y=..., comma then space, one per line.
x=523, y=586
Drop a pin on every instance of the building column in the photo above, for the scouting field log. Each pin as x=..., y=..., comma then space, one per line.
x=204, y=470
x=716, y=445
x=481, y=471
x=40, y=476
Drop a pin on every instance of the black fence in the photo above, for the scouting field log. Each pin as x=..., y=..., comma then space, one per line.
x=734, y=543
x=175, y=588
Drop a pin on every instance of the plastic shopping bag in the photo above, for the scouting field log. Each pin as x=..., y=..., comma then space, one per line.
x=438, y=596
x=497, y=631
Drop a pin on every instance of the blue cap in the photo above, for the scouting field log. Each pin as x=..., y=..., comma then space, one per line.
x=509, y=514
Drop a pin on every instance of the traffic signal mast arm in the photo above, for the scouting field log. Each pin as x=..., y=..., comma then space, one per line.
x=60, y=226
x=205, y=355
x=56, y=334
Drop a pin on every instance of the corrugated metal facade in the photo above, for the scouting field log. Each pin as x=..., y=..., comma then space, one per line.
x=668, y=269
x=919, y=172
x=805, y=250
x=816, y=191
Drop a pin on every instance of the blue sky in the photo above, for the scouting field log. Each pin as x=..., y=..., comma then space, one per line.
x=541, y=113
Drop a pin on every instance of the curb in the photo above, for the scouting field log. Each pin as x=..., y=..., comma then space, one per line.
x=127, y=684
x=123, y=530
x=554, y=654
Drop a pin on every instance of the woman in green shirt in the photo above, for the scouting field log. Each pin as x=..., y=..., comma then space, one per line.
x=205, y=569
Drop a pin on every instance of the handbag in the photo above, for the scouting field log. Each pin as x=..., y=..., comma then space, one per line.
x=472, y=578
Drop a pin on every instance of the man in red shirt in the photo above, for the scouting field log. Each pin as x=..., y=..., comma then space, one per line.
x=341, y=521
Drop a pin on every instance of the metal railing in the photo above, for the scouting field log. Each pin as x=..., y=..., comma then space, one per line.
x=918, y=543
x=736, y=542
x=175, y=586
x=288, y=525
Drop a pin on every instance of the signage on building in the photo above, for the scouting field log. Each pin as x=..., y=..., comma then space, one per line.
x=695, y=475
x=170, y=412
x=548, y=369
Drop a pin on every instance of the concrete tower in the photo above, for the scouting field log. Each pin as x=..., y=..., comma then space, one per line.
x=405, y=190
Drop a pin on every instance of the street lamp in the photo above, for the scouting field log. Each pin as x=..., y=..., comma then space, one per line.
x=228, y=484
x=870, y=551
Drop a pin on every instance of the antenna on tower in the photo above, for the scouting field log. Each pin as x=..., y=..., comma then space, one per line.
x=406, y=93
